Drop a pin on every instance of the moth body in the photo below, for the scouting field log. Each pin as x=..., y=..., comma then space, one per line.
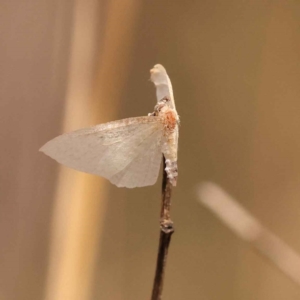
x=127, y=152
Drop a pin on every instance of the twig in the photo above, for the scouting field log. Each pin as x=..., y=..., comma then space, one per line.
x=166, y=231
x=248, y=228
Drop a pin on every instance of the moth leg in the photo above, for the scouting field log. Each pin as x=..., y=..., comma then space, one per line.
x=158, y=107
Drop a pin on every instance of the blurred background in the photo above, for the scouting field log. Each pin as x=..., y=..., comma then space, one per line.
x=65, y=65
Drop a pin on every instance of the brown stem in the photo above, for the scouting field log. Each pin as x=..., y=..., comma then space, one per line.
x=166, y=231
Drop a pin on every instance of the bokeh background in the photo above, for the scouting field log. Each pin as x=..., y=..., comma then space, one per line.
x=64, y=65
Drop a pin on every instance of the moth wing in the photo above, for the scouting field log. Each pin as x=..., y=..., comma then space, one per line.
x=106, y=149
x=142, y=170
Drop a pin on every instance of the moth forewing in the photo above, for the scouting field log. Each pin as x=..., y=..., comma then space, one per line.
x=143, y=170
x=162, y=82
x=108, y=149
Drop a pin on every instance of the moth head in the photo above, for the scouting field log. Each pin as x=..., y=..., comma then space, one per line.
x=158, y=74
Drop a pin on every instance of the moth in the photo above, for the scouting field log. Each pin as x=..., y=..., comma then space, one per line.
x=127, y=152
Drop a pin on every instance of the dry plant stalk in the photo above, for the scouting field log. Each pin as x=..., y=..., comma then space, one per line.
x=248, y=228
x=166, y=231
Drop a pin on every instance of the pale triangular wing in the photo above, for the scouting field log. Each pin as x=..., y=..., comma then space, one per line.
x=143, y=169
x=107, y=149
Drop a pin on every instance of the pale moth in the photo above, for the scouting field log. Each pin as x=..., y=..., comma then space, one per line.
x=127, y=152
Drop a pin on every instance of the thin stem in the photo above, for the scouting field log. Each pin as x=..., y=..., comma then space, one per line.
x=166, y=231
